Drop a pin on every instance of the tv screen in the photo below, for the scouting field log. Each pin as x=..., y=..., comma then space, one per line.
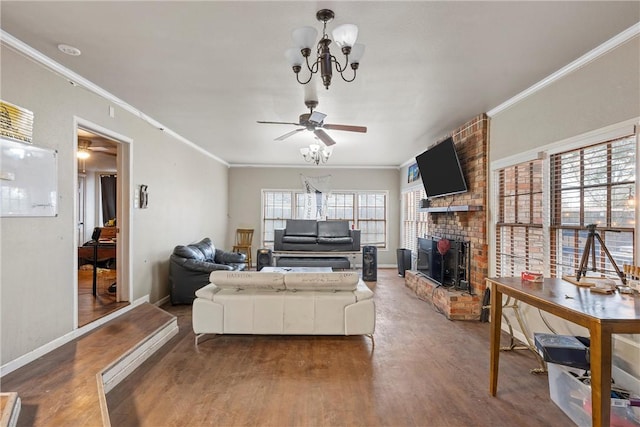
x=440, y=170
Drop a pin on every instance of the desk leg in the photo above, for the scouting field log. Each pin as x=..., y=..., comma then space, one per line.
x=496, y=327
x=600, y=353
x=95, y=268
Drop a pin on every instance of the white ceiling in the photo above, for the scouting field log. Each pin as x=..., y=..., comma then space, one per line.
x=208, y=70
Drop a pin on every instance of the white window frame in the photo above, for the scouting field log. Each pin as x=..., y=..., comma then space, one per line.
x=294, y=209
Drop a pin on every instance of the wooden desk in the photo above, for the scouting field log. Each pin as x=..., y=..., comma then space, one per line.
x=102, y=251
x=602, y=315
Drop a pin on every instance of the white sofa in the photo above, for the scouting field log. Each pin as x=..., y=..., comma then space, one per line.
x=290, y=303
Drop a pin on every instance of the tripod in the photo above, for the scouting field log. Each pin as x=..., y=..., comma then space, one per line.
x=590, y=247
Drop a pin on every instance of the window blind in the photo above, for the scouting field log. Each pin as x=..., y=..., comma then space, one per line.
x=593, y=185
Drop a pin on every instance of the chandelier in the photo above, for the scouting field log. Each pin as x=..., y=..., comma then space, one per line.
x=345, y=37
x=315, y=154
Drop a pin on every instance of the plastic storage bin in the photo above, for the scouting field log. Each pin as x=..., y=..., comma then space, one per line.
x=574, y=398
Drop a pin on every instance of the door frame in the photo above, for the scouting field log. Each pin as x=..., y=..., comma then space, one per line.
x=124, y=211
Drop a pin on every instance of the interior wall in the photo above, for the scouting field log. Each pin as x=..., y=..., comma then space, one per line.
x=246, y=185
x=602, y=93
x=187, y=200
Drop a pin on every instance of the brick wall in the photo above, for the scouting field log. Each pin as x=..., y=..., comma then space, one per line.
x=471, y=145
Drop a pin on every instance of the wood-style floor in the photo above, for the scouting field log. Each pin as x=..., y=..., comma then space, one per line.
x=62, y=387
x=424, y=370
x=91, y=308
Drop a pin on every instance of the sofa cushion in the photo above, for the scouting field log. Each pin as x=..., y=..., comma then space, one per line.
x=301, y=227
x=207, y=292
x=299, y=239
x=334, y=281
x=189, y=252
x=333, y=229
x=335, y=240
x=206, y=247
x=269, y=281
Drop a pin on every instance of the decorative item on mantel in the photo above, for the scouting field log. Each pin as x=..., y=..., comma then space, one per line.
x=345, y=37
x=16, y=123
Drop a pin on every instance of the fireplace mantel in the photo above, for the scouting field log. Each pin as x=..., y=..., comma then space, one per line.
x=446, y=209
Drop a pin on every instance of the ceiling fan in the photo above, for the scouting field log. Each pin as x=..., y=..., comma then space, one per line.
x=86, y=144
x=314, y=122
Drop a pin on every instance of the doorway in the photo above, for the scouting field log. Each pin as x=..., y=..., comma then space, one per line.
x=102, y=285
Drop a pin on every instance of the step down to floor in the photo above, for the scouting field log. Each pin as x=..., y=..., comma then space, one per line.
x=67, y=386
x=9, y=409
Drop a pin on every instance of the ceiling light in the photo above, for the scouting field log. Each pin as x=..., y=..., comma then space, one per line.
x=316, y=154
x=69, y=50
x=83, y=153
x=345, y=37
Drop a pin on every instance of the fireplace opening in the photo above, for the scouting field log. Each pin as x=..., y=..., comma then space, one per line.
x=449, y=270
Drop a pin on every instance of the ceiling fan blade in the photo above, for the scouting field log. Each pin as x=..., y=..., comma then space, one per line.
x=98, y=148
x=322, y=135
x=288, y=134
x=279, y=123
x=348, y=128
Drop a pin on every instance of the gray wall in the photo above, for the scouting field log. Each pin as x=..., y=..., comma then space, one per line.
x=603, y=92
x=246, y=184
x=187, y=200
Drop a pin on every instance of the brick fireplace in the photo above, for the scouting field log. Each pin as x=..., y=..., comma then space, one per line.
x=462, y=217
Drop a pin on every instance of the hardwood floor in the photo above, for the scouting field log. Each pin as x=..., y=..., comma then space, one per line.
x=423, y=370
x=91, y=308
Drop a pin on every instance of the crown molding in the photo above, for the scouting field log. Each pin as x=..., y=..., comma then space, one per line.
x=592, y=55
x=308, y=166
x=77, y=80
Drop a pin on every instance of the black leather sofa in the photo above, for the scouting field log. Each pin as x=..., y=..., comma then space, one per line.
x=303, y=235
x=190, y=266
x=318, y=236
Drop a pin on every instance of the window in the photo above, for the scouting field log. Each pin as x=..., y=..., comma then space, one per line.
x=366, y=211
x=277, y=208
x=519, y=228
x=589, y=185
x=414, y=222
x=593, y=185
x=372, y=219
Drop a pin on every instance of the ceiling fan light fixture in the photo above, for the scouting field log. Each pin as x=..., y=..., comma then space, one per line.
x=83, y=154
x=345, y=37
x=316, y=154
x=317, y=117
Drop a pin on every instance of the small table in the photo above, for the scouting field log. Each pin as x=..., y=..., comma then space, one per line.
x=297, y=269
x=602, y=315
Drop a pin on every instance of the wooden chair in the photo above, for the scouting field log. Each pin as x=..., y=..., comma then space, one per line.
x=244, y=236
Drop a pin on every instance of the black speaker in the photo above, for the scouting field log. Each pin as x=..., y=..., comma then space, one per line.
x=369, y=263
x=404, y=261
x=263, y=258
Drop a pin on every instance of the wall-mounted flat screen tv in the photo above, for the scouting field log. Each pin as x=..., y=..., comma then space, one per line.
x=440, y=170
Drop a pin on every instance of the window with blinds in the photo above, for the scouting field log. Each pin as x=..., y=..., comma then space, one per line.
x=593, y=185
x=366, y=211
x=519, y=229
x=414, y=222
